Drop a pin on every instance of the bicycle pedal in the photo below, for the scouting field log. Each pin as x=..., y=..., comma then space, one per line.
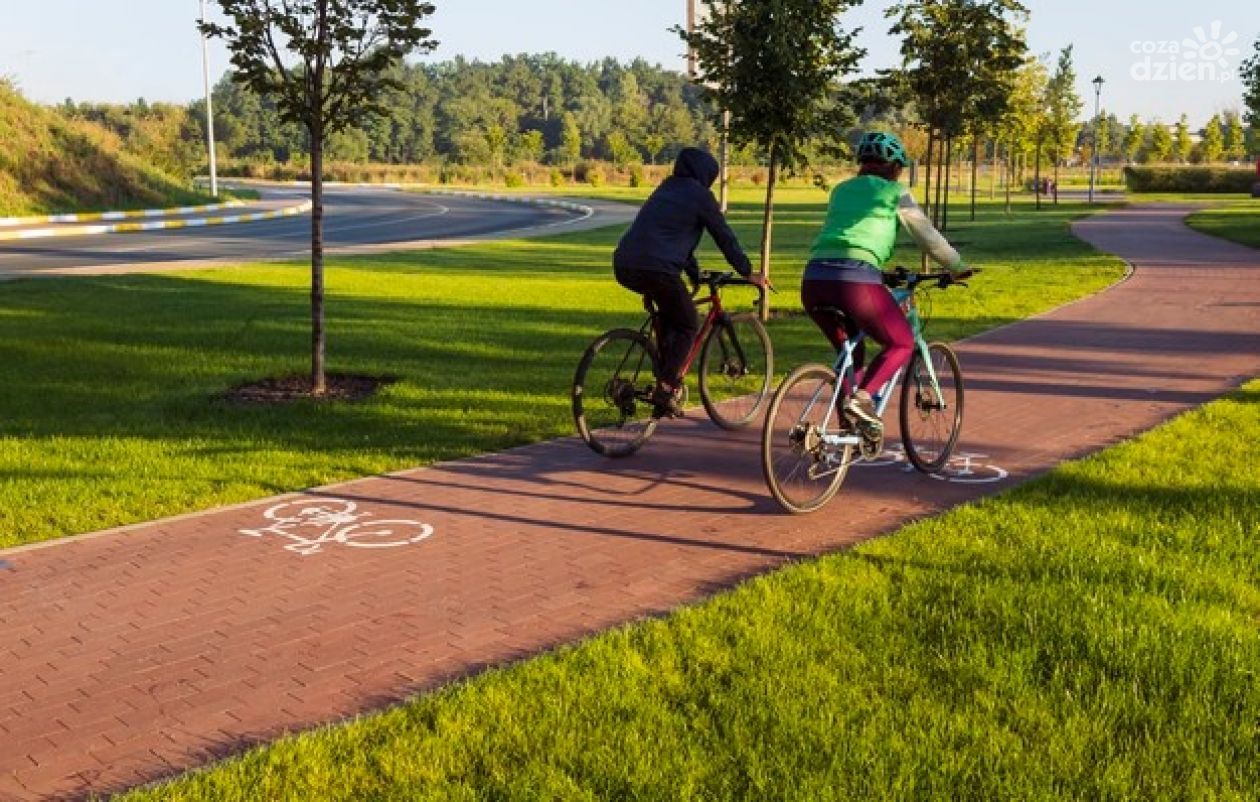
x=662, y=411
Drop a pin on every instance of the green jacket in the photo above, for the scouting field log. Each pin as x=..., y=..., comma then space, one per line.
x=861, y=221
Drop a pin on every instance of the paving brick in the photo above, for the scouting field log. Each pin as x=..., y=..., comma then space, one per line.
x=127, y=657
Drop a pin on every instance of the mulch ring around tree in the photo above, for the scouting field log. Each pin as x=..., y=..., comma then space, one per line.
x=284, y=389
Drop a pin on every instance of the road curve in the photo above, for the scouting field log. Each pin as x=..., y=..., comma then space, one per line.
x=356, y=219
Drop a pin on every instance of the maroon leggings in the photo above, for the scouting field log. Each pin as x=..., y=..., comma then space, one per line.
x=868, y=308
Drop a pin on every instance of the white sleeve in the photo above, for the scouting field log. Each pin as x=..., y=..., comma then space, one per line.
x=925, y=234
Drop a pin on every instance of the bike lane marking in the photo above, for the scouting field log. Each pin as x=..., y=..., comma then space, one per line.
x=335, y=520
x=963, y=467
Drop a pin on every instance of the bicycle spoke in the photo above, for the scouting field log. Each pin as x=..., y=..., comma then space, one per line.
x=611, y=392
x=801, y=468
x=931, y=411
x=736, y=363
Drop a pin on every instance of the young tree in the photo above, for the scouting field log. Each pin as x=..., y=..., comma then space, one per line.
x=529, y=146
x=1250, y=74
x=1213, y=144
x=1181, y=140
x=1161, y=144
x=1103, y=134
x=995, y=47
x=1064, y=107
x=325, y=63
x=1235, y=137
x=1134, y=139
x=620, y=150
x=1025, y=117
x=775, y=66
x=570, y=141
x=496, y=139
x=931, y=78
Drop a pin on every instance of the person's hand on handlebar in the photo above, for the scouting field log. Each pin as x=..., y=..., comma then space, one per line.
x=963, y=271
x=759, y=280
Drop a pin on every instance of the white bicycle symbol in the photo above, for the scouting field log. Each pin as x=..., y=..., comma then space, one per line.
x=962, y=467
x=334, y=520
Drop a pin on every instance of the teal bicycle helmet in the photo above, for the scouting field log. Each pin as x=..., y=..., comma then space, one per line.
x=880, y=146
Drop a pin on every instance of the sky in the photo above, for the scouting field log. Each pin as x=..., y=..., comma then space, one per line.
x=117, y=52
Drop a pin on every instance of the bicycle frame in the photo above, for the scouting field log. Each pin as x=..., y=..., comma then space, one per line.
x=651, y=329
x=716, y=316
x=846, y=372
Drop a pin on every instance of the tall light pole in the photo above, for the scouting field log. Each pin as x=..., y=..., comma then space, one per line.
x=1093, y=161
x=205, y=78
x=697, y=14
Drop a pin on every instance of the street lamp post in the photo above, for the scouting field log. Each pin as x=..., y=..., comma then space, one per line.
x=1093, y=161
x=697, y=14
x=205, y=78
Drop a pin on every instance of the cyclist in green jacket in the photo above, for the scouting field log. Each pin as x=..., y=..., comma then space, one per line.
x=858, y=236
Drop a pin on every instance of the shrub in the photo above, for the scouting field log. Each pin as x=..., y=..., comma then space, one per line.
x=595, y=176
x=557, y=178
x=1189, y=179
x=636, y=175
x=514, y=179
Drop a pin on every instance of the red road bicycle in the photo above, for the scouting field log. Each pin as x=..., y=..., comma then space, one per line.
x=612, y=388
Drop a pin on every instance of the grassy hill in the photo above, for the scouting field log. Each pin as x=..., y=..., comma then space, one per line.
x=50, y=164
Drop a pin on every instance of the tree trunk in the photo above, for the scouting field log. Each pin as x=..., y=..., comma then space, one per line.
x=927, y=177
x=1010, y=175
x=724, y=164
x=1037, y=174
x=975, y=163
x=319, y=384
x=949, y=163
x=1056, y=182
x=993, y=171
x=767, y=226
x=940, y=164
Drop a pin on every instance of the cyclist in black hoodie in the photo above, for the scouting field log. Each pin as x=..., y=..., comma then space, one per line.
x=659, y=245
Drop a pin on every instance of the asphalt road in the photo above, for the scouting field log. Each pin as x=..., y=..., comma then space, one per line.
x=354, y=219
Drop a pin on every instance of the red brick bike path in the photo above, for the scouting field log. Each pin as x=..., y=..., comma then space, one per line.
x=131, y=655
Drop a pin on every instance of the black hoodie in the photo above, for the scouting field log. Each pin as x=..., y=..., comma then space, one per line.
x=664, y=235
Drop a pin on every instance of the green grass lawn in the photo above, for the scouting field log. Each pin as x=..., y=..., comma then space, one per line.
x=1239, y=222
x=112, y=412
x=1089, y=635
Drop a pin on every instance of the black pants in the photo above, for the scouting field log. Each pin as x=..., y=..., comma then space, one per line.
x=676, y=313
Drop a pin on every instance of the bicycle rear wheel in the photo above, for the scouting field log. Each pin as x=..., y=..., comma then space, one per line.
x=736, y=364
x=930, y=419
x=611, y=393
x=802, y=471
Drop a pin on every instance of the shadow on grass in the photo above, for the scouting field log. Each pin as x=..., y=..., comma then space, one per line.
x=1179, y=559
x=146, y=356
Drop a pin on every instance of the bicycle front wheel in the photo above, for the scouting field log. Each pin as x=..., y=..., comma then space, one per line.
x=736, y=364
x=612, y=392
x=384, y=533
x=932, y=412
x=802, y=470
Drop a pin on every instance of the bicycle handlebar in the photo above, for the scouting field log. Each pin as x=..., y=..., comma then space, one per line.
x=716, y=279
x=900, y=276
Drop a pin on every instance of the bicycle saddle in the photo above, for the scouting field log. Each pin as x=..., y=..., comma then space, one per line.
x=834, y=311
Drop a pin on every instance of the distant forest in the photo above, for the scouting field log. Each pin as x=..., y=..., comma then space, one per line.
x=493, y=120
x=527, y=108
